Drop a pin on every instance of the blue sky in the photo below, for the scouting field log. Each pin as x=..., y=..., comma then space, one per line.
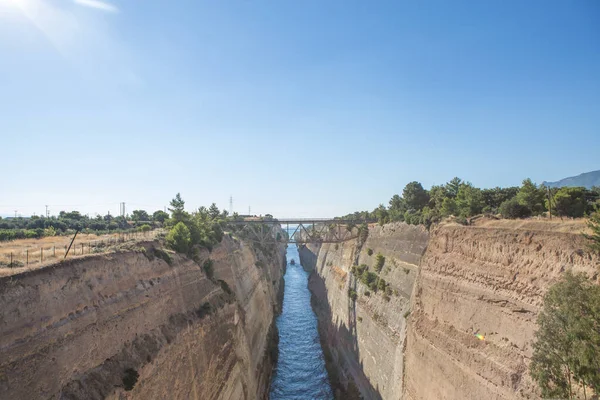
x=297, y=108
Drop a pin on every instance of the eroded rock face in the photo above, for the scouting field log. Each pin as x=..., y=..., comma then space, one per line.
x=488, y=280
x=448, y=285
x=88, y=328
x=363, y=340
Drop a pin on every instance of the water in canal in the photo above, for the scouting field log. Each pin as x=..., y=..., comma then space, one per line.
x=300, y=373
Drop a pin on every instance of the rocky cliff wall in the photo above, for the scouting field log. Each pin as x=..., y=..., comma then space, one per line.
x=363, y=340
x=85, y=328
x=486, y=279
x=448, y=285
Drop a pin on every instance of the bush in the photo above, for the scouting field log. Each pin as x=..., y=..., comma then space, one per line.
x=358, y=270
x=379, y=261
x=370, y=252
x=594, y=225
x=130, y=378
x=352, y=294
x=513, y=209
x=179, y=238
x=367, y=293
x=569, y=202
x=369, y=278
x=208, y=268
x=567, y=347
x=381, y=285
x=145, y=228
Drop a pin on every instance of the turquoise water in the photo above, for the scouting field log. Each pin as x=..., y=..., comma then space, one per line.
x=300, y=373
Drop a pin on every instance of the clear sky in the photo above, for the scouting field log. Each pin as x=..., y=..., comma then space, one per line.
x=297, y=108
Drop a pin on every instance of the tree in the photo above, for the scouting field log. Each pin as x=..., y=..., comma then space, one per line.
x=179, y=238
x=381, y=213
x=160, y=216
x=396, y=202
x=513, y=209
x=213, y=211
x=177, y=208
x=531, y=196
x=569, y=202
x=379, y=261
x=437, y=194
x=453, y=186
x=469, y=200
x=415, y=196
x=594, y=225
x=449, y=207
x=566, y=352
x=140, y=215
x=493, y=198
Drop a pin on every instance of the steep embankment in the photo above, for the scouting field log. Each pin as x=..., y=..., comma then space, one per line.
x=488, y=279
x=363, y=340
x=85, y=328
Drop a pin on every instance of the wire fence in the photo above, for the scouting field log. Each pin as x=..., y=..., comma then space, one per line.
x=37, y=255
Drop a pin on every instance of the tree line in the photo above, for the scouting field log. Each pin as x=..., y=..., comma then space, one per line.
x=67, y=222
x=461, y=199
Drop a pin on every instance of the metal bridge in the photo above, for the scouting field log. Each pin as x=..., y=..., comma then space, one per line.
x=297, y=230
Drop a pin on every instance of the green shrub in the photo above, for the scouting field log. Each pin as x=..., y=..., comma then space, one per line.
x=367, y=293
x=406, y=270
x=370, y=252
x=513, y=209
x=130, y=378
x=406, y=314
x=352, y=294
x=566, y=351
x=368, y=278
x=358, y=270
x=381, y=285
x=569, y=202
x=379, y=261
x=163, y=255
x=387, y=297
x=179, y=238
x=209, y=268
x=145, y=228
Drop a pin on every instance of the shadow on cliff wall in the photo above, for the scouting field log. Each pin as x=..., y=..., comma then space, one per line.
x=339, y=341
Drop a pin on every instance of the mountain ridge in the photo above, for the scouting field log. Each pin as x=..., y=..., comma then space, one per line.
x=587, y=180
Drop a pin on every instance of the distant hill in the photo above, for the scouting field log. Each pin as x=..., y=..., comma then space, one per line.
x=587, y=180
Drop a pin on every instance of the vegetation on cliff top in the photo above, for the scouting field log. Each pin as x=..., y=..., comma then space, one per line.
x=190, y=231
x=566, y=357
x=463, y=200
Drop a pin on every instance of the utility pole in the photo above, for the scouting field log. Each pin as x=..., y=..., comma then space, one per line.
x=16, y=213
x=249, y=212
x=122, y=209
x=46, y=210
x=549, y=203
x=230, y=205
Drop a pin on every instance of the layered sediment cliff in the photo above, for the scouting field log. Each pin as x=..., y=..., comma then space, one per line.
x=448, y=285
x=364, y=340
x=143, y=324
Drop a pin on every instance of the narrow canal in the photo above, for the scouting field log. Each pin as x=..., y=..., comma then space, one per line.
x=300, y=373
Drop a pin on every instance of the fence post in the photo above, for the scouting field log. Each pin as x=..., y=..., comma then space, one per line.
x=54, y=251
x=81, y=248
x=41, y=254
x=65, y=251
x=27, y=255
x=11, y=263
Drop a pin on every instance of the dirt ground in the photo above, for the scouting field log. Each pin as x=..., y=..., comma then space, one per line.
x=28, y=254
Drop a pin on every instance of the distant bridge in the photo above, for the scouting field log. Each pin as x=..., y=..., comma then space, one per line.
x=305, y=230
